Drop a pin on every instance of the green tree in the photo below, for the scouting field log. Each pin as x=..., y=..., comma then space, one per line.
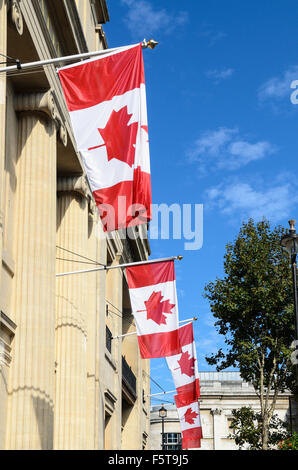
x=253, y=308
x=247, y=429
x=289, y=443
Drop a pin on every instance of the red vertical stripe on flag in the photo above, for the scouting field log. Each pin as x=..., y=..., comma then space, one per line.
x=159, y=344
x=150, y=274
x=192, y=387
x=125, y=204
x=191, y=438
x=183, y=399
x=101, y=79
x=186, y=334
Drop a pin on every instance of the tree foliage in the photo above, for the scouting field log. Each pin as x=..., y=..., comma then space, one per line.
x=290, y=443
x=253, y=308
x=247, y=429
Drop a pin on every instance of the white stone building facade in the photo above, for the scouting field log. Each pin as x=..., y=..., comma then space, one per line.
x=221, y=392
x=64, y=383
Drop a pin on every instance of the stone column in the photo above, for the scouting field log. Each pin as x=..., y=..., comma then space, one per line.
x=101, y=336
x=96, y=333
x=92, y=330
x=3, y=28
x=114, y=280
x=31, y=380
x=132, y=428
x=217, y=429
x=71, y=316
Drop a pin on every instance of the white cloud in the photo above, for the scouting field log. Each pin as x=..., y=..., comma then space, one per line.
x=141, y=18
x=226, y=148
x=220, y=75
x=278, y=87
x=244, y=200
x=211, y=142
x=244, y=152
x=212, y=36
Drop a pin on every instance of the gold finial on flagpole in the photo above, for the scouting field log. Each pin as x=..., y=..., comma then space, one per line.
x=151, y=43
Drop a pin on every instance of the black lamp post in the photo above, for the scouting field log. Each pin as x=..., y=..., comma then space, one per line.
x=163, y=414
x=290, y=244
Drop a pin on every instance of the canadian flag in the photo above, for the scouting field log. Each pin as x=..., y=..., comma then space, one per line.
x=190, y=421
x=152, y=290
x=106, y=100
x=184, y=366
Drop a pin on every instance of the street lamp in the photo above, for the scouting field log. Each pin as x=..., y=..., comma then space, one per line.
x=163, y=414
x=289, y=242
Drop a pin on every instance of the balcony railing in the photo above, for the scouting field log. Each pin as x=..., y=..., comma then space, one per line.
x=129, y=377
x=108, y=339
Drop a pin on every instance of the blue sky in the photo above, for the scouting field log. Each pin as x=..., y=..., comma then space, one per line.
x=223, y=130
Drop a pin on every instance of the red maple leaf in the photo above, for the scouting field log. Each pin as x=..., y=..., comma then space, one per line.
x=119, y=137
x=187, y=364
x=190, y=416
x=156, y=308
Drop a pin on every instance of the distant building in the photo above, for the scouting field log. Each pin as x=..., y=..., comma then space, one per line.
x=221, y=392
x=172, y=438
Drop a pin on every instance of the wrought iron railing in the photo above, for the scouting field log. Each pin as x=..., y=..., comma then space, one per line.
x=129, y=376
x=109, y=337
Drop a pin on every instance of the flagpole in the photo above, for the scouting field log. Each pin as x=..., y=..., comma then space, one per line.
x=41, y=63
x=134, y=332
x=161, y=393
x=105, y=268
x=189, y=319
x=29, y=65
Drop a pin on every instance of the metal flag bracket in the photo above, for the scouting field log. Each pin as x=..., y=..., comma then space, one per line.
x=11, y=60
x=134, y=332
x=151, y=44
x=126, y=265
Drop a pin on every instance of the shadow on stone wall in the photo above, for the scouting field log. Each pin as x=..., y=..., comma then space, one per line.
x=45, y=420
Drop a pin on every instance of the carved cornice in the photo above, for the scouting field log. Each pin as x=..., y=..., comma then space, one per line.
x=44, y=102
x=110, y=401
x=92, y=207
x=7, y=332
x=100, y=10
x=16, y=15
x=102, y=36
x=76, y=184
x=62, y=131
x=114, y=246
